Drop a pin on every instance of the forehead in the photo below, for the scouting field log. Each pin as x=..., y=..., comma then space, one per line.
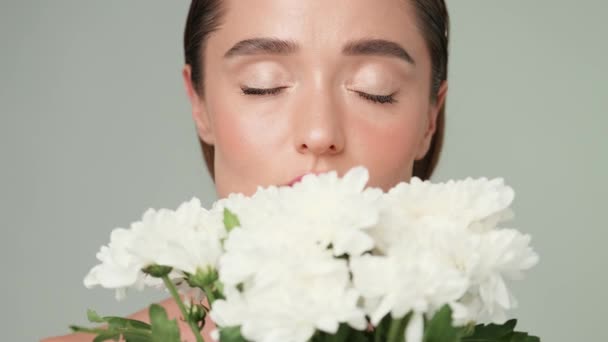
x=320, y=27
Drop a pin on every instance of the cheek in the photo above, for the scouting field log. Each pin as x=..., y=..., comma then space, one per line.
x=388, y=147
x=244, y=140
x=238, y=140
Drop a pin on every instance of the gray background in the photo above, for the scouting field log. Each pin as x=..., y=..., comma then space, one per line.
x=95, y=128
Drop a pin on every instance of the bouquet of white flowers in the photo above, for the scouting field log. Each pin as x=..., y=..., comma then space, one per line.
x=327, y=259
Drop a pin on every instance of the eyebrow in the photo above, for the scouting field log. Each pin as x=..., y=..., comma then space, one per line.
x=359, y=47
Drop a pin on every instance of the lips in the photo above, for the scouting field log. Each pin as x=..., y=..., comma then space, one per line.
x=299, y=178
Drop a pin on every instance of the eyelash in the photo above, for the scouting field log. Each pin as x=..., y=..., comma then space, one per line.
x=380, y=99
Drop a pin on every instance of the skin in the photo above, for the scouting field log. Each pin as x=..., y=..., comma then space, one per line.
x=318, y=121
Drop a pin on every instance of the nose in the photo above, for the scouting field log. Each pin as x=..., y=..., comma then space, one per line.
x=319, y=127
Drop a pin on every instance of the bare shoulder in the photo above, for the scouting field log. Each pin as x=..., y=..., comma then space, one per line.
x=70, y=338
x=142, y=315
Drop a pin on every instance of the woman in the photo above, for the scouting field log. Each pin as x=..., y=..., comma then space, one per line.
x=281, y=88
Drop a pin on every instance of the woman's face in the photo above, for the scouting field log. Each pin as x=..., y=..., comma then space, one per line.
x=316, y=115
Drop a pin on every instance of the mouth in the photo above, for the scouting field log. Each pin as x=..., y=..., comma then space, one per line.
x=299, y=178
x=295, y=180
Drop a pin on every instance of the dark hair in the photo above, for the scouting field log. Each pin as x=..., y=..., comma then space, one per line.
x=205, y=16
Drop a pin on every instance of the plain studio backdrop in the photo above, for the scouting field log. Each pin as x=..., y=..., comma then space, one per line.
x=96, y=128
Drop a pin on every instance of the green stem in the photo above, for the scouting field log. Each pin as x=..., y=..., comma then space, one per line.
x=395, y=329
x=169, y=284
x=377, y=332
x=130, y=330
x=209, y=293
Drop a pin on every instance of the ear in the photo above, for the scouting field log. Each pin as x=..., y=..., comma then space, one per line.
x=431, y=125
x=199, y=110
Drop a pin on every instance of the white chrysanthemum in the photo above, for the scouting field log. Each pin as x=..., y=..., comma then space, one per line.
x=422, y=271
x=332, y=210
x=438, y=244
x=118, y=269
x=290, y=286
x=499, y=254
x=479, y=204
x=186, y=239
x=337, y=211
x=253, y=210
x=485, y=258
x=467, y=200
x=431, y=245
x=416, y=275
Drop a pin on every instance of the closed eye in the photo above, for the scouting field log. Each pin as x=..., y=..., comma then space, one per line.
x=261, y=91
x=381, y=99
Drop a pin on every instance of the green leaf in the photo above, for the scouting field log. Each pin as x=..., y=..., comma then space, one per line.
x=76, y=328
x=490, y=332
x=132, y=330
x=359, y=336
x=396, y=328
x=231, y=334
x=134, y=336
x=345, y=333
x=532, y=338
x=499, y=333
x=342, y=334
x=94, y=317
x=163, y=329
x=108, y=335
x=518, y=336
x=230, y=220
x=120, y=322
x=381, y=330
x=440, y=329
